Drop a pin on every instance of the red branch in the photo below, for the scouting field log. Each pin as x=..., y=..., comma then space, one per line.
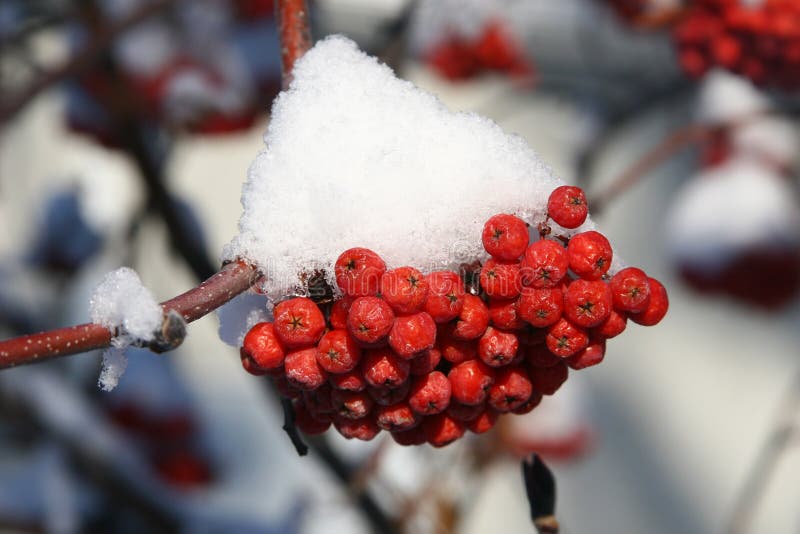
x=231, y=280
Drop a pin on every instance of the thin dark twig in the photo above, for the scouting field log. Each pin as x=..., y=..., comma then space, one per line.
x=540, y=487
x=290, y=428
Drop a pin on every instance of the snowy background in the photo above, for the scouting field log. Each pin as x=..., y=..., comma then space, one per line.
x=659, y=438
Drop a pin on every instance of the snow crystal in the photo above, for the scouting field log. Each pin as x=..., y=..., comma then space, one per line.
x=722, y=211
x=114, y=364
x=121, y=301
x=239, y=315
x=358, y=157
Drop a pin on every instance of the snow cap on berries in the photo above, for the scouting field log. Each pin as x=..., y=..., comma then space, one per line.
x=356, y=157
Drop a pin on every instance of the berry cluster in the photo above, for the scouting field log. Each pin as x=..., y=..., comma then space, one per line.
x=427, y=357
x=461, y=58
x=760, y=42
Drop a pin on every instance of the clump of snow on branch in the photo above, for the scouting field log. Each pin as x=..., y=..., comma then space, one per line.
x=357, y=157
x=122, y=304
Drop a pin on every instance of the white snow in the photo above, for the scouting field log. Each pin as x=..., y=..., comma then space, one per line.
x=724, y=210
x=724, y=97
x=358, y=157
x=239, y=315
x=120, y=302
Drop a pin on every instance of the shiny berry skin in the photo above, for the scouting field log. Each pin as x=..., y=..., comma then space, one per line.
x=656, y=309
x=547, y=380
x=613, y=326
x=404, y=289
x=455, y=350
x=501, y=279
x=262, y=346
x=338, y=352
x=303, y=369
x=505, y=237
x=430, y=394
x=504, y=314
x=441, y=429
x=383, y=368
x=307, y=423
x=350, y=381
x=484, y=422
x=567, y=206
x=589, y=255
x=358, y=272
x=587, y=303
x=470, y=382
x=425, y=362
x=364, y=429
x=369, y=321
x=338, y=314
x=298, y=323
x=541, y=307
x=497, y=348
x=565, y=339
x=385, y=396
x=396, y=418
x=591, y=355
x=473, y=319
x=630, y=290
x=351, y=405
x=249, y=365
x=544, y=265
x=414, y=436
x=412, y=334
x=445, y=295
x=511, y=389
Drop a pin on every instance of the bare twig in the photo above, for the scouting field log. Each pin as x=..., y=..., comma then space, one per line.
x=540, y=486
x=780, y=439
x=295, y=34
x=290, y=428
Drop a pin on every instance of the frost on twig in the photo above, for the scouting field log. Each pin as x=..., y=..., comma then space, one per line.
x=123, y=305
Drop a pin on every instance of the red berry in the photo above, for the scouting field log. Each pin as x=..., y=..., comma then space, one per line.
x=587, y=303
x=511, y=389
x=364, y=429
x=249, y=365
x=430, y=394
x=425, y=362
x=529, y=405
x=306, y=422
x=630, y=290
x=541, y=307
x=262, y=346
x=384, y=368
x=338, y=315
x=540, y=356
x=503, y=314
x=470, y=381
x=464, y=412
x=298, y=322
x=351, y=405
x=318, y=401
x=412, y=334
x=286, y=388
x=303, y=369
x=473, y=319
x=505, y=237
x=385, y=396
x=396, y=418
x=544, y=265
x=656, y=309
x=591, y=355
x=589, y=255
x=455, y=350
x=358, y=272
x=567, y=206
x=500, y=279
x=613, y=326
x=404, y=289
x=338, y=352
x=441, y=429
x=497, y=348
x=350, y=381
x=484, y=422
x=547, y=380
x=445, y=295
x=565, y=339
x=369, y=321
x=414, y=436
x=532, y=336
